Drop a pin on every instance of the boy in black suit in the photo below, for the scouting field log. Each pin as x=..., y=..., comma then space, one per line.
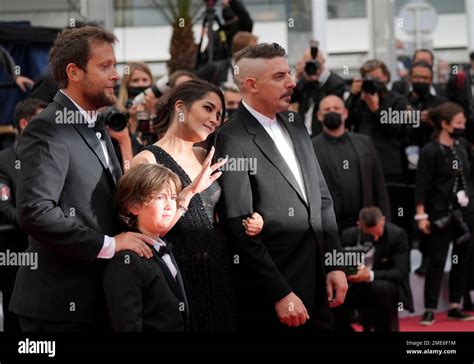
x=146, y=294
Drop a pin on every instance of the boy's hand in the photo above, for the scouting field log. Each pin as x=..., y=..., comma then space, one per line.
x=253, y=224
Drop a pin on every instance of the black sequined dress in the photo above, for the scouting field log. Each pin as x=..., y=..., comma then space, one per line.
x=202, y=257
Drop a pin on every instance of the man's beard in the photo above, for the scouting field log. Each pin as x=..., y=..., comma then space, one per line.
x=96, y=100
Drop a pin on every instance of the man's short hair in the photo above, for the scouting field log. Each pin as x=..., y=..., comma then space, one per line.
x=370, y=216
x=423, y=50
x=74, y=46
x=372, y=65
x=26, y=109
x=242, y=40
x=423, y=64
x=262, y=50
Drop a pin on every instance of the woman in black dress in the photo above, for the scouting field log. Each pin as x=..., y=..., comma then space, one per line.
x=445, y=208
x=188, y=115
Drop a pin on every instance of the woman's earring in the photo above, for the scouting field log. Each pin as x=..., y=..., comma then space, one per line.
x=181, y=116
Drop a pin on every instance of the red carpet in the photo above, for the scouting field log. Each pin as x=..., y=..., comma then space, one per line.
x=442, y=323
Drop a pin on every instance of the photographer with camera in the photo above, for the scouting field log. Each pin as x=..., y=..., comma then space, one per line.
x=422, y=96
x=444, y=197
x=126, y=119
x=379, y=286
x=315, y=82
x=367, y=105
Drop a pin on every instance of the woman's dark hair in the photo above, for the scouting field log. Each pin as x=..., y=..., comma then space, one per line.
x=188, y=92
x=444, y=112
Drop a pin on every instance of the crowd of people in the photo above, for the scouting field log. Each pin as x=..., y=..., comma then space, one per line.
x=140, y=222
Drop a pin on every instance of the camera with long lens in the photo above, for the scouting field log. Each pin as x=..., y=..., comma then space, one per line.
x=455, y=220
x=113, y=118
x=312, y=66
x=365, y=243
x=372, y=86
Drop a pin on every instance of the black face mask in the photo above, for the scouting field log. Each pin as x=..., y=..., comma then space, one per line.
x=134, y=91
x=421, y=89
x=332, y=120
x=457, y=133
x=229, y=112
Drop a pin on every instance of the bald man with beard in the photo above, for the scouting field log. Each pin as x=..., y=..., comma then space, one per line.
x=281, y=281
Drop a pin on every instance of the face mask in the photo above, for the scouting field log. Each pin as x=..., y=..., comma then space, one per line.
x=332, y=120
x=456, y=133
x=134, y=91
x=230, y=112
x=421, y=89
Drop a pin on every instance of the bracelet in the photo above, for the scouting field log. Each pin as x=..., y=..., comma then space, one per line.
x=182, y=208
x=419, y=217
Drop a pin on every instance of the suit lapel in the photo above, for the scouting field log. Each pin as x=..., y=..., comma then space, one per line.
x=169, y=277
x=179, y=281
x=87, y=133
x=267, y=146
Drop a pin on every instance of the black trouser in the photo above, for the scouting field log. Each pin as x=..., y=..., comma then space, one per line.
x=378, y=303
x=437, y=246
x=7, y=281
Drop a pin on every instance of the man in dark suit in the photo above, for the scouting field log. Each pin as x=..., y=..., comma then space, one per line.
x=280, y=278
x=311, y=89
x=66, y=189
x=12, y=238
x=405, y=85
x=380, y=288
x=350, y=165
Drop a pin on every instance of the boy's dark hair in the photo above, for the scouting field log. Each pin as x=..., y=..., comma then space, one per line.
x=262, y=50
x=73, y=45
x=370, y=216
x=26, y=109
x=138, y=187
